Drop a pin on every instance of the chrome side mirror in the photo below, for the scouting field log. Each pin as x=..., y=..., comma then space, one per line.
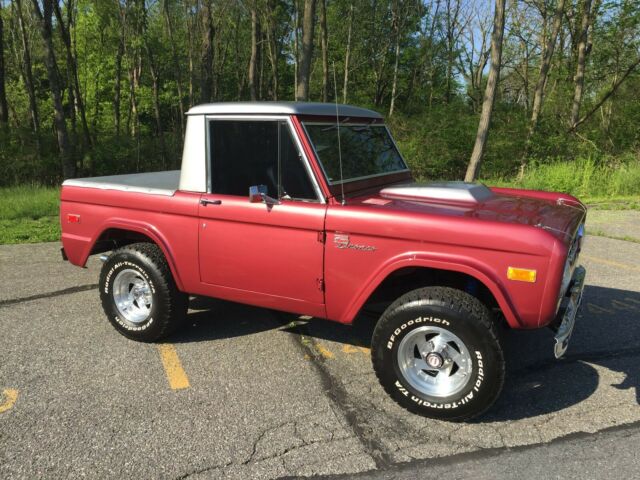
x=258, y=194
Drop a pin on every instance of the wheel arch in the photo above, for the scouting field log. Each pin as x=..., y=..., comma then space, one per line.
x=116, y=234
x=405, y=275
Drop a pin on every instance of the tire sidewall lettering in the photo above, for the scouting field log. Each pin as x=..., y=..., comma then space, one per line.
x=107, y=289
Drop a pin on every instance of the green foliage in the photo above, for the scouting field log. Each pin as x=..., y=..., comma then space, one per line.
x=434, y=120
x=585, y=177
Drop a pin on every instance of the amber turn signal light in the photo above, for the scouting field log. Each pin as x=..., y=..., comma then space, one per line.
x=521, y=274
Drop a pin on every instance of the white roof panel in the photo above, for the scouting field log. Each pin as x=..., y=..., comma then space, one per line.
x=281, y=108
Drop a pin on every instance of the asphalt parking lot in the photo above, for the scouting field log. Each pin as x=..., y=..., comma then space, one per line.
x=244, y=392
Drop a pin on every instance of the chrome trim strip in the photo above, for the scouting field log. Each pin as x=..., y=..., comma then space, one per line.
x=305, y=160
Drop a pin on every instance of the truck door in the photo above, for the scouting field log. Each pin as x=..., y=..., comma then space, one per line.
x=261, y=251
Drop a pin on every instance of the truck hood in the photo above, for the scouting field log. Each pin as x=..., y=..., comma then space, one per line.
x=560, y=214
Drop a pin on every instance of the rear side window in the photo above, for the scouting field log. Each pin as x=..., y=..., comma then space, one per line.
x=247, y=153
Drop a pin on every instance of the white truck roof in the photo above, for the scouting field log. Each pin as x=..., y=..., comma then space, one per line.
x=281, y=108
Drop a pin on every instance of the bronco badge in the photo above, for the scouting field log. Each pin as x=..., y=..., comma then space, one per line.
x=342, y=241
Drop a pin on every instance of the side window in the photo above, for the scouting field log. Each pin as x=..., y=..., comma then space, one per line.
x=294, y=178
x=246, y=153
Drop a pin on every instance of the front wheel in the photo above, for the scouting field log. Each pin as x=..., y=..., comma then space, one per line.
x=436, y=352
x=139, y=294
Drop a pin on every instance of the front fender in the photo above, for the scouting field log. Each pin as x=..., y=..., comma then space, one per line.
x=459, y=264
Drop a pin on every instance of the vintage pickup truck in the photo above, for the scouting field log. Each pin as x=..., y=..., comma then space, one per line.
x=309, y=208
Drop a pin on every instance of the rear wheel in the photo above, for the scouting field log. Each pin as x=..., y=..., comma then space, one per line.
x=435, y=350
x=139, y=295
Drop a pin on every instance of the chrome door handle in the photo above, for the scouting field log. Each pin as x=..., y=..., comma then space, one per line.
x=204, y=202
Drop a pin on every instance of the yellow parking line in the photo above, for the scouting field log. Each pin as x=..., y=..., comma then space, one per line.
x=173, y=367
x=355, y=349
x=611, y=263
x=324, y=351
x=11, y=396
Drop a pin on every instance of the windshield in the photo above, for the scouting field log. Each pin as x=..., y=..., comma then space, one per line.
x=367, y=150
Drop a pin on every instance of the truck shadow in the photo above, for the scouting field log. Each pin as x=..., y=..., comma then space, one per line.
x=606, y=337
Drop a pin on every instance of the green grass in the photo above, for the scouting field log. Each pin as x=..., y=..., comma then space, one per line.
x=613, y=184
x=29, y=214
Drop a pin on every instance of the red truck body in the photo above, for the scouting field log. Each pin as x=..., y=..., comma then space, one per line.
x=327, y=259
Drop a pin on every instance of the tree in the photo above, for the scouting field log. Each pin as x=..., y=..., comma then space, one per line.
x=176, y=65
x=304, y=71
x=27, y=72
x=253, y=62
x=206, y=70
x=75, y=95
x=4, y=108
x=588, y=15
x=545, y=64
x=324, y=41
x=347, y=57
x=44, y=19
x=397, y=16
x=489, y=94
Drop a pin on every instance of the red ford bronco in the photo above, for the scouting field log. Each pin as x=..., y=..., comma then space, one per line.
x=309, y=208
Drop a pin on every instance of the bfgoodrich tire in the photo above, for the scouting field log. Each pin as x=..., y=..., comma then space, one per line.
x=139, y=295
x=436, y=352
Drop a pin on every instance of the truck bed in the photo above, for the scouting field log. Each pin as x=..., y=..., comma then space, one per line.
x=153, y=183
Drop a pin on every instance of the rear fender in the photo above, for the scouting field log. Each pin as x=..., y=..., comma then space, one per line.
x=128, y=225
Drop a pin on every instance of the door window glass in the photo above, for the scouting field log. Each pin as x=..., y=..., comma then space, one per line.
x=247, y=153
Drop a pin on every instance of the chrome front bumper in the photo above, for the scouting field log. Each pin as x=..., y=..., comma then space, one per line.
x=566, y=319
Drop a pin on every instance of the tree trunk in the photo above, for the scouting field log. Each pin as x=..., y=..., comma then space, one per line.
x=489, y=94
x=72, y=69
x=27, y=72
x=155, y=87
x=395, y=13
x=324, y=40
x=176, y=66
x=296, y=44
x=273, y=47
x=189, y=27
x=304, y=71
x=118, y=71
x=4, y=107
x=44, y=20
x=452, y=16
x=253, y=62
x=538, y=97
x=206, y=78
x=347, y=57
x=581, y=61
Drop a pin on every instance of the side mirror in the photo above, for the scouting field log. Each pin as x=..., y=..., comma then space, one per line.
x=258, y=194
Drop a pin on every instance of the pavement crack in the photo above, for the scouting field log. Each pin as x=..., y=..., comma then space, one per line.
x=336, y=392
x=57, y=293
x=203, y=470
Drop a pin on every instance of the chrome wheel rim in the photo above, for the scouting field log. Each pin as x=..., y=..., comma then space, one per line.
x=132, y=296
x=434, y=361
